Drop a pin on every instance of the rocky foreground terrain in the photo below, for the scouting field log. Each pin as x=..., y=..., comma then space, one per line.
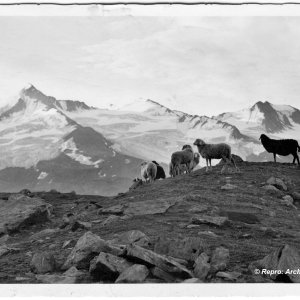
x=201, y=227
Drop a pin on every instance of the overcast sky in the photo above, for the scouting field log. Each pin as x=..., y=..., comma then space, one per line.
x=200, y=65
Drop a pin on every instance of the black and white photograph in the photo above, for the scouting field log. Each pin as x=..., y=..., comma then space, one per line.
x=149, y=144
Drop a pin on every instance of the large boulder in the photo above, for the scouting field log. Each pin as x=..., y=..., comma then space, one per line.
x=219, y=259
x=43, y=262
x=20, y=211
x=134, y=274
x=165, y=276
x=202, y=266
x=277, y=182
x=108, y=267
x=87, y=247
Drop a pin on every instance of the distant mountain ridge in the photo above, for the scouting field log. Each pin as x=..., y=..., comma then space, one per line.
x=68, y=145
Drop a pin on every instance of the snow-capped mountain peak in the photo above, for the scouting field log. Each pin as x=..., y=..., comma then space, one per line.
x=148, y=107
x=263, y=116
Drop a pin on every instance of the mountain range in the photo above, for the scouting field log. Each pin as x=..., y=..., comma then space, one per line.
x=68, y=145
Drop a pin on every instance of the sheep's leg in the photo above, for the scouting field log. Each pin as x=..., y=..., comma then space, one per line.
x=210, y=163
x=296, y=157
x=187, y=169
x=206, y=164
x=232, y=161
x=274, y=154
x=176, y=170
x=226, y=164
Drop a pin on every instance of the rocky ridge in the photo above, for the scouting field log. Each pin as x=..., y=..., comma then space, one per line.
x=187, y=229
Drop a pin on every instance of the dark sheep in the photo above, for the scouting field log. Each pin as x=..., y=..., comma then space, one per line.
x=160, y=174
x=281, y=147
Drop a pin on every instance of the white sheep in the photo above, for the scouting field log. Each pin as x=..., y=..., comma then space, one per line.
x=148, y=171
x=215, y=151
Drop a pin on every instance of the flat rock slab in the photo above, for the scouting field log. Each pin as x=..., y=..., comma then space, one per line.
x=134, y=274
x=20, y=211
x=192, y=280
x=5, y=250
x=133, y=236
x=111, y=219
x=198, y=208
x=167, y=264
x=272, y=190
x=44, y=233
x=209, y=220
x=228, y=186
x=114, y=210
x=70, y=276
x=149, y=207
x=230, y=276
x=237, y=216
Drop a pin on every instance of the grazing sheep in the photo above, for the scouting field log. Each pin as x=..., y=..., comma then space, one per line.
x=160, y=174
x=236, y=158
x=183, y=157
x=136, y=183
x=281, y=147
x=215, y=151
x=148, y=171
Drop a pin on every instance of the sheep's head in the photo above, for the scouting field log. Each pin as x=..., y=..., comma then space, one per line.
x=184, y=147
x=137, y=179
x=199, y=142
x=263, y=137
x=196, y=157
x=155, y=162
